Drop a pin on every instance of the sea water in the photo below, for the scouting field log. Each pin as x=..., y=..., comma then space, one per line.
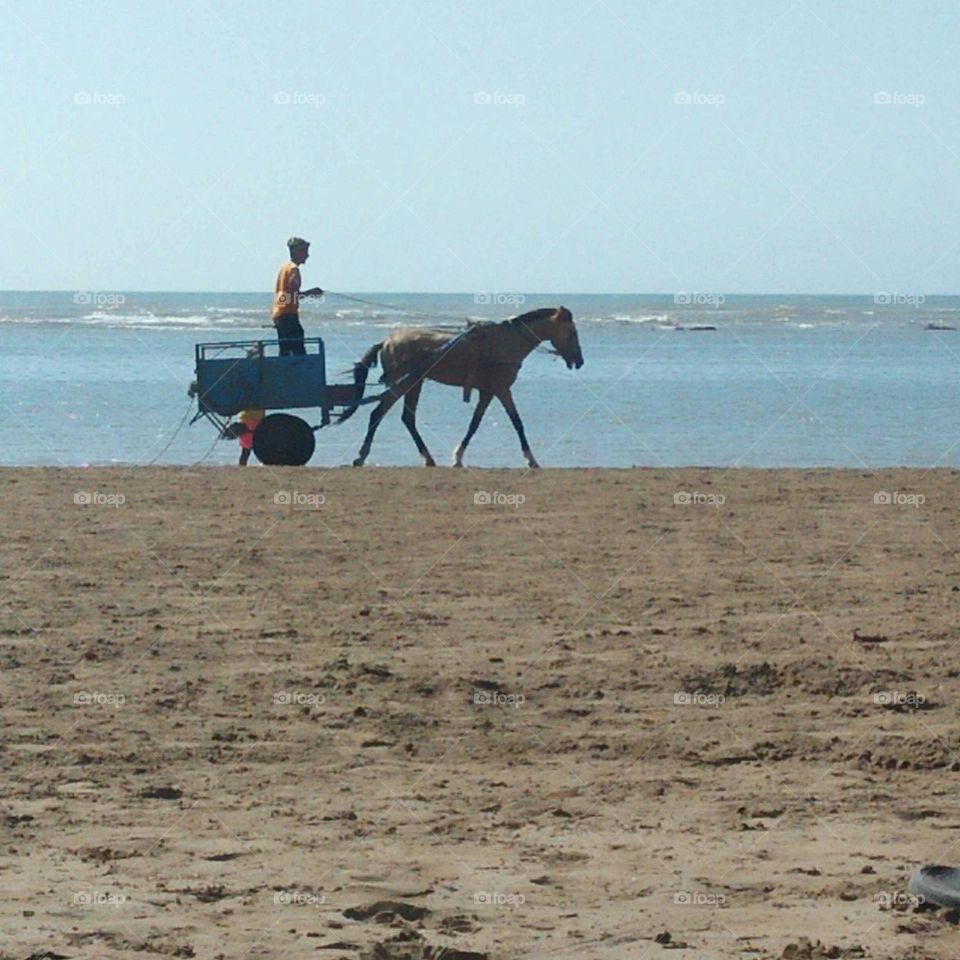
x=101, y=378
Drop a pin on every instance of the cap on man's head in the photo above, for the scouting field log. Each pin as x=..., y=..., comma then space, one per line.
x=295, y=242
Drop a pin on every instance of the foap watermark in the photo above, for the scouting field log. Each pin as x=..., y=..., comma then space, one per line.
x=297, y=698
x=686, y=498
x=897, y=498
x=95, y=298
x=686, y=299
x=496, y=898
x=299, y=898
x=97, y=498
x=898, y=900
x=899, y=698
x=896, y=98
x=295, y=98
x=697, y=98
x=488, y=98
x=294, y=498
x=697, y=698
x=88, y=698
x=485, y=498
x=898, y=299
x=97, y=98
x=496, y=698
x=499, y=299
x=699, y=898
x=98, y=898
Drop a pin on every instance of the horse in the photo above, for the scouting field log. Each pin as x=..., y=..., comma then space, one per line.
x=485, y=356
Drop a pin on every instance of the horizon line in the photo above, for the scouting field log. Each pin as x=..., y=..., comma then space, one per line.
x=504, y=293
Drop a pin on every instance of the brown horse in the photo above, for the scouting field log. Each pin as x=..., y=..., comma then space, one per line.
x=486, y=357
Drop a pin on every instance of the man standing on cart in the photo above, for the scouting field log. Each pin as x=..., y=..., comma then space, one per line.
x=286, y=299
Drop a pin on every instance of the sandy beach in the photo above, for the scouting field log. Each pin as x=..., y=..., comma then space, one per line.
x=408, y=714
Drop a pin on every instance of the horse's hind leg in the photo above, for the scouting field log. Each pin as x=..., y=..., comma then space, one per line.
x=481, y=409
x=506, y=398
x=379, y=412
x=410, y=400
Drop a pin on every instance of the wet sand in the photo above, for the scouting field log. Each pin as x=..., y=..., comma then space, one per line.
x=341, y=713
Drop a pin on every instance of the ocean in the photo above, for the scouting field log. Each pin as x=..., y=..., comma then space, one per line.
x=93, y=378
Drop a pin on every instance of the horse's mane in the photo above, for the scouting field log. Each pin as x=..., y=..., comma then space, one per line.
x=531, y=316
x=539, y=314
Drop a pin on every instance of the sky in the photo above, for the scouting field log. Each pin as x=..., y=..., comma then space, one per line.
x=495, y=145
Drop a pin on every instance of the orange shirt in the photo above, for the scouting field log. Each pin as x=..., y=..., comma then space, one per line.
x=286, y=291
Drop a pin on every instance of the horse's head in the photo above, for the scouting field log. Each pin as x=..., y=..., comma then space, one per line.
x=563, y=336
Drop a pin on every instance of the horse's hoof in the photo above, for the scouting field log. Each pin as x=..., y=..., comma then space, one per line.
x=358, y=462
x=429, y=462
x=458, y=463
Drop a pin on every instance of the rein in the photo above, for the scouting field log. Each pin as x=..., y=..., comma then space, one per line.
x=390, y=306
x=463, y=331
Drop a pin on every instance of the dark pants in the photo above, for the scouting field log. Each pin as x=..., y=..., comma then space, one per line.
x=290, y=335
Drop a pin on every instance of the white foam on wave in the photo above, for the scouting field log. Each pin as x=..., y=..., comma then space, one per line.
x=239, y=311
x=638, y=318
x=225, y=319
x=148, y=319
x=375, y=324
x=133, y=321
x=349, y=312
x=360, y=316
x=642, y=318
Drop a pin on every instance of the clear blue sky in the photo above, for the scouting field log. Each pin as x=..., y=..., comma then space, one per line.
x=186, y=170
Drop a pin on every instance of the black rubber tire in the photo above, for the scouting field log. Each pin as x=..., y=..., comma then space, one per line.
x=282, y=440
x=938, y=885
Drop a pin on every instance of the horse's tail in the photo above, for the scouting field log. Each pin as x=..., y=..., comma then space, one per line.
x=360, y=371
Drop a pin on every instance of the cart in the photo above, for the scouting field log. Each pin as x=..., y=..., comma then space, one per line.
x=251, y=375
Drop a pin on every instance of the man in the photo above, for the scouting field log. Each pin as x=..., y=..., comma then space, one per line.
x=286, y=299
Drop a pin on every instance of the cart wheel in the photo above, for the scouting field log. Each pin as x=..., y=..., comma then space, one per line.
x=283, y=440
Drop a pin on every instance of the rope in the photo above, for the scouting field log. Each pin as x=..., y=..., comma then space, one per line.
x=183, y=423
x=392, y=306
x=210, y=449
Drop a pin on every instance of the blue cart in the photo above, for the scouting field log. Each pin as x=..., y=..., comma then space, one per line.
x=251, y=375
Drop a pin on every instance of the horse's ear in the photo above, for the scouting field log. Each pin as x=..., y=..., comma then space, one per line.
x=564, y=314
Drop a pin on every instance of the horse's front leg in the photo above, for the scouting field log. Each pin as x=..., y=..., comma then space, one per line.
x=410, y=400
x=479, y=411
x=506, y=398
